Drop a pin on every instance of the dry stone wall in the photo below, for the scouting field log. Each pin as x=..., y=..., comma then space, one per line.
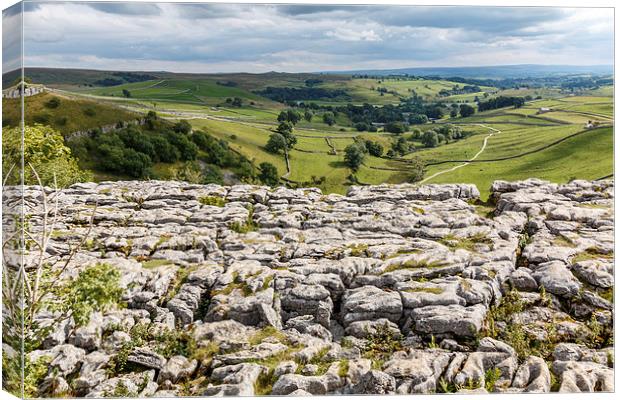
x=388, y=289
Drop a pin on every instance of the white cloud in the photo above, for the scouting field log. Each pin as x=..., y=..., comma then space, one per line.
x=254, y=38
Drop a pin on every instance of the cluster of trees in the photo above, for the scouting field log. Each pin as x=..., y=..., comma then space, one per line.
x=355, y=153
x=124, y=77
x=294, y=116
x=287, y=94
x=441, y=134
x=235, y=101
x=45, y=151
x=456, y=89
x=501, y=102
x=283, y=138
x=133, y=150
x=400, y=147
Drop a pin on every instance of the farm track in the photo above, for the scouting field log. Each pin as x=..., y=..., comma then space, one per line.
x=484, y=146
x=556, y=142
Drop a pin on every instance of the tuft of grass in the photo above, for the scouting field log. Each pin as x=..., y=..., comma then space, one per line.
x=591, y=253
x=247, y=226
x=268, y=331
x=433, y=290
x=343, y=368
x=155, y=263
x=414, y=264
x=563, y=241
x=359, y=250
x=491, y=376
x=381, y=344
x=469, y=243
x=212, y=201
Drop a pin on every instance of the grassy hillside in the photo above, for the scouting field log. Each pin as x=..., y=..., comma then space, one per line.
x=587, y=156
x=546, y=137
x=64, y=114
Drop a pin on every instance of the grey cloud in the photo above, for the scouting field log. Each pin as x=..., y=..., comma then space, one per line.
x=128, y=8
x=334, y=35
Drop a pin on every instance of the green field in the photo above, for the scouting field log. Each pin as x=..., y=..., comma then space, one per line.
x=70, y=115
x=546, y=138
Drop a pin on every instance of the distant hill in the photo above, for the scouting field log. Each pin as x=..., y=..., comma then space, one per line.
x=495, y=72
x=70, y=77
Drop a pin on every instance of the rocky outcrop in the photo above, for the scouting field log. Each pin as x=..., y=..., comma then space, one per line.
x=249, y=290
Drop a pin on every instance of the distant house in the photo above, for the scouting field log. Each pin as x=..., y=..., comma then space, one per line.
x=543, y=110
x=590, y=125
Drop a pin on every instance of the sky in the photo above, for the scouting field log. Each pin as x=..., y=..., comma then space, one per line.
x=302, y=38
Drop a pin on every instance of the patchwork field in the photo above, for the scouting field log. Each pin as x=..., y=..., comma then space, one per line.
x=548, y=137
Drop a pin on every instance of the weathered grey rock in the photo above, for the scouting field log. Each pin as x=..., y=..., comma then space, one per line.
x=362, y=329
x=322, y=273
x=533, y=376
x=177, y=368
x=89, y=337
x=146, y=357
x=556, y=278
x=458, y=320
x=237, y=380
x=376, y=382
x=583, y=376
x=371, y=303
x=522, y=279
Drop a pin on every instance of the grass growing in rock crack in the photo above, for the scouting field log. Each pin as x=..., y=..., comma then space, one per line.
x=264, y=383
x=592, y=253
x=382, y=343
x=563, y=241
x=485, y=209
x=414, y=264
x=514, y=334
x=247, y=226
x=469, y=243
x=268, y=331
x=358, y=250
x=491, y=376
x=318, y=359
x=212, y=201
x=150, y=264
x=343, y=368
x=433, y=290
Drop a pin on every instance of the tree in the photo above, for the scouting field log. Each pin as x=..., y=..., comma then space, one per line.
x=308, y=116
x=212, y=174
x=361, y=126
x=354, y=155
x=401, y=147
x=126, y=93
x=182, y=127
x=416, y=134
x=396, y=127
x=268, y=174
x=466, y=110
x=150, y=119
x=453, y=113
x=44, y=150
x=417, y=119
x=434, y=112
x=416, y=170
x=275, y=143
x=374, y=148
x=430, y=139
x=286, y=130
x=329, y=118
x=237, y=102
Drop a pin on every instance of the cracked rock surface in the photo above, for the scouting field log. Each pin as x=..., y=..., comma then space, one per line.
x=386, y=290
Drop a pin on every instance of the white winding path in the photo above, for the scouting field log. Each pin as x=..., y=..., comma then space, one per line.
x=484, y=145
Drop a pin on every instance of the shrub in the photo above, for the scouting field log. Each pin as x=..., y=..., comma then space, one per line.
x=54, y=102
